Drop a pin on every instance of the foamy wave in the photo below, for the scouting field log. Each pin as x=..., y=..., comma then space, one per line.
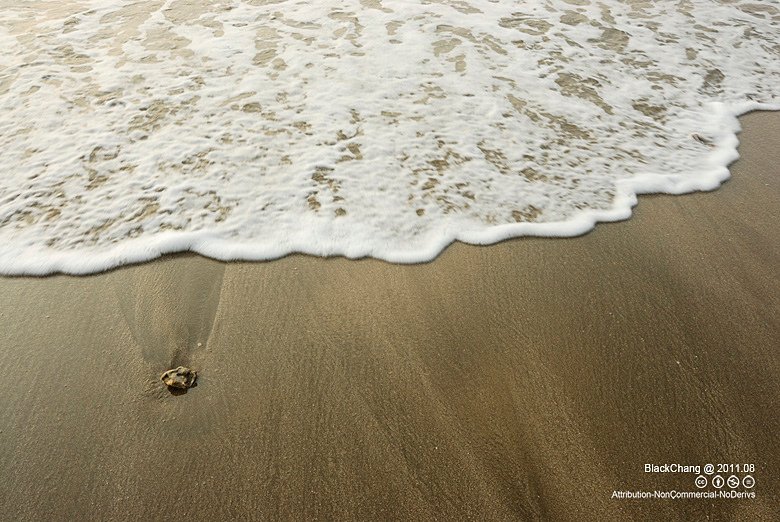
x=384, y=128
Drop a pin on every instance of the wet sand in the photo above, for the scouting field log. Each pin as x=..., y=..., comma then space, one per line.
x=524, y=380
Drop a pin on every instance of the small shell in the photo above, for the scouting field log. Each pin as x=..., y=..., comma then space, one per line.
x=181, y=378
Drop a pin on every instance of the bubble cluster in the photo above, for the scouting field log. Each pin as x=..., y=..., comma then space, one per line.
x=386, y=128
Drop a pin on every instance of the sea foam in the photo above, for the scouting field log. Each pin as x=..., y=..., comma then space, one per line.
x=384, y=128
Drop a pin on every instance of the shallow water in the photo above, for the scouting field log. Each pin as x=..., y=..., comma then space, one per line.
x=384, y=128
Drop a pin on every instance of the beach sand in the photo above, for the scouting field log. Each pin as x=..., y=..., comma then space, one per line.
x=527, y=379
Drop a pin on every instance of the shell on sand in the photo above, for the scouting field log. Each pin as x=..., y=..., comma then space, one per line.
x=180, y=377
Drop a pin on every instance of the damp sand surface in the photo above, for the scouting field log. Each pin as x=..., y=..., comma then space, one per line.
x=524, y=380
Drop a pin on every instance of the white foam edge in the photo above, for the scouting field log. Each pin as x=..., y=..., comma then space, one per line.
x=39, y=262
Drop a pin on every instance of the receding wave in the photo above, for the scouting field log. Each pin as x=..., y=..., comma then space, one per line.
x=385, y=128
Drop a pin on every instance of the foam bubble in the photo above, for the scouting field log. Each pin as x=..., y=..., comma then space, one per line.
x=384, y=128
